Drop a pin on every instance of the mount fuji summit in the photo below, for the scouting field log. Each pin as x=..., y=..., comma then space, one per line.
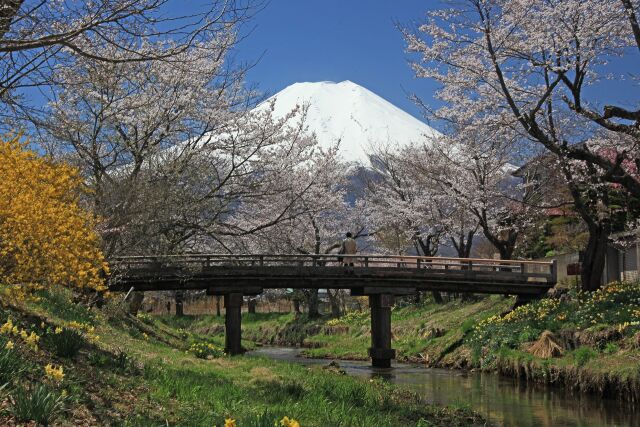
x=353, y=115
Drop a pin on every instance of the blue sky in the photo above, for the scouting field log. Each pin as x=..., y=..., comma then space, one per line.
x=316, y=40
x=302, y=40
x=335, y=40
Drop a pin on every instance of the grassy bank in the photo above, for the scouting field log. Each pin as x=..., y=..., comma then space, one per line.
x=587, y=342
x=106, y=368
x=425, y=333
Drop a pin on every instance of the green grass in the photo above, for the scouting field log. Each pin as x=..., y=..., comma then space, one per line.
x=427, y=331
x=140, y=372
x=600, y=333
x=40, y=404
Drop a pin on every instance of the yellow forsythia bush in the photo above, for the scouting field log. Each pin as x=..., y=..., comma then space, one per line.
x=46, y=238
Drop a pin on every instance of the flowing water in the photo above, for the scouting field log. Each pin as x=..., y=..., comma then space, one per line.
x=503, y=401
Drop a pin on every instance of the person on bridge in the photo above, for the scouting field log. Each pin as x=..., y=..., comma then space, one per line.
x=349, y=247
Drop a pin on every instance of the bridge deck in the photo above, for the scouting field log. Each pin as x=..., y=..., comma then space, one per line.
x=378, y=277
x=235, y=273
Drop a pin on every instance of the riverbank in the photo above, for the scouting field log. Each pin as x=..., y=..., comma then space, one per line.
x=87, y=367
x=584, y=342
x=502, y=400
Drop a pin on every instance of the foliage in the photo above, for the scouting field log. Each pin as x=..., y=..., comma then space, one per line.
x=59, y=302
x=10, y=364
x=203, y=350
x=615, y=304
x=30, y=339
x=46, y=238
x=144, y=317
x=583, y=354
x=38, y=403
x=351, y=317
x=264, y=419
x=65, y=342
x=44, y=37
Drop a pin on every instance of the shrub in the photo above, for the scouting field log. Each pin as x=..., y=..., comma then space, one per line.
x=467, y=325
x=144, y=318
x=65, y=342
x=122, y=359
x=205, y=350
x=611, y=348
x=39, y=404
x=45, y=235
x=583, y=354
x=10, y=365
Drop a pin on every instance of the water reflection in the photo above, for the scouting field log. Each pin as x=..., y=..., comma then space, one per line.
x=504, y=401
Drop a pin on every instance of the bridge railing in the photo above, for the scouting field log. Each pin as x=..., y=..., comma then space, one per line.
x=533, y=269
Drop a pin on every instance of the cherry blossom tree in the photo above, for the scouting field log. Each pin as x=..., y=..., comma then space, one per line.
x=135, y=127
x=402, y=210
x=39, y=37
x=319, y=217
x=475, y=171
x=407, y=207
x=403, y=197
x=524, y=66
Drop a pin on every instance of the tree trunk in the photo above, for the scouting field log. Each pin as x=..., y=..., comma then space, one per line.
x=334, y=301
x=313, y=303
x=135, y=302
x=179, y=303
x=437, y=297
x=599, y=225
x=506, y=252
x=505, y=246
x=251, y=306
x=464, y=244
x=594, y=257
x=296, y=306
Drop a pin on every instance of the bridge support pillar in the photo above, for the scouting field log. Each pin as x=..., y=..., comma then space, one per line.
x=233, y=323
x=381, y=352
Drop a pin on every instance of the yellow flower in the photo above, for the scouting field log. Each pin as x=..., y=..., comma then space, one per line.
x=9, y=345
x=58, y=330
x=289, y=422
x=229, y=422
x=32, y=340
x=7, y=328
x=145, y=336
x=52, y=238
x=53, y=373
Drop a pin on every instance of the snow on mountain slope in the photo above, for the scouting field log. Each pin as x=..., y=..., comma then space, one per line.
x=351, y=114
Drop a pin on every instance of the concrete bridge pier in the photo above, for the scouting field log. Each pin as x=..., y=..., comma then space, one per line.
x=233, y=323
x=381, y=352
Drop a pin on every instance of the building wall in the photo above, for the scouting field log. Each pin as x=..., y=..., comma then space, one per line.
x=629, y=263
x=620, y=264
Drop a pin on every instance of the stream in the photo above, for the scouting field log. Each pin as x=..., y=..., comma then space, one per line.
x=503, y=401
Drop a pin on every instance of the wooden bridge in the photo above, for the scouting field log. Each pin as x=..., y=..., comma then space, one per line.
x=381, y=278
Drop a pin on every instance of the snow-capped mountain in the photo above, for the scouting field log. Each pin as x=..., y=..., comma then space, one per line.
x=351, y=114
